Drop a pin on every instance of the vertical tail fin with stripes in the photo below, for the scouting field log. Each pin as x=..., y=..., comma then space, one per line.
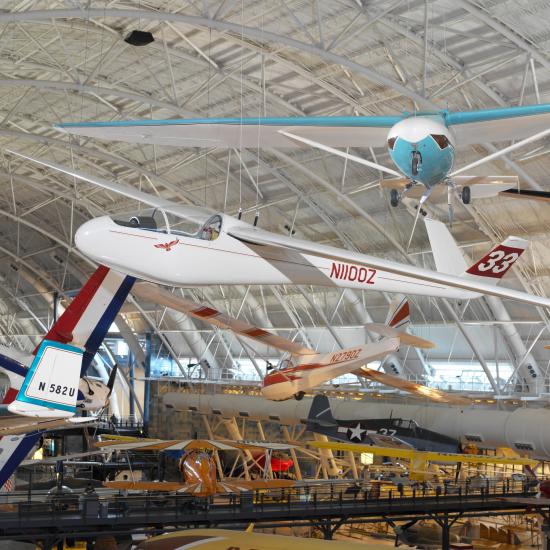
x=50, y=388
x=490, y=269
x=496, y=263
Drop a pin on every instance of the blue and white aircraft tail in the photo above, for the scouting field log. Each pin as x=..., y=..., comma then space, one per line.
x=46, y=387
x=50, y=388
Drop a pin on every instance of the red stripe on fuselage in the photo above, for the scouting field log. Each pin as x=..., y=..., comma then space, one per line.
x=62, y=330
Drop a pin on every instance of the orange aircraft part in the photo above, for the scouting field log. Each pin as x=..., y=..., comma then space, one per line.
x=198, y=467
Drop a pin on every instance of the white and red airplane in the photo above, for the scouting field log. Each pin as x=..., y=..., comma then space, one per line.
x=306, y=369
x=158, y=245
x=47, y=387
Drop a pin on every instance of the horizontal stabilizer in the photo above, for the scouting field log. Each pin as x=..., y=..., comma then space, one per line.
x=50, y=388
x=405, y=337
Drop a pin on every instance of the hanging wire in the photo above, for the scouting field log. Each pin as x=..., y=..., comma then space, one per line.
x=242, y=115
x=261, y=107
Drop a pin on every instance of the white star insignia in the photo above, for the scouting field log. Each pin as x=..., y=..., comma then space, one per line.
x=357, y=432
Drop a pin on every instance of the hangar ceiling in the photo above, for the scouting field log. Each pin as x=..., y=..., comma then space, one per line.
x=65, y=61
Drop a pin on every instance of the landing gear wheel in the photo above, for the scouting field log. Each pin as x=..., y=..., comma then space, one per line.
x=416, y=162
x=394, y=197
x=299, y=396
x=466, y=195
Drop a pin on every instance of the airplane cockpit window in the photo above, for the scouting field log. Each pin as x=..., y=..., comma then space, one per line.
x=211, y=229
x=286, y=364
x=160, y=221
x=151, y=219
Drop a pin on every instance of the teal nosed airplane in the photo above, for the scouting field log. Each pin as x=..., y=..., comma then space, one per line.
x=422, y=146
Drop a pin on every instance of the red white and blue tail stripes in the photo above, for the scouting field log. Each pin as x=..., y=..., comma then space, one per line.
x=84, y=323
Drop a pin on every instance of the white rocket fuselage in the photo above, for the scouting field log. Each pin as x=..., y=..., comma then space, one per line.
x=522, y=429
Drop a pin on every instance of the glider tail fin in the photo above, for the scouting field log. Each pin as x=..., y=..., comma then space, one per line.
x=496, y=263
x=447, y=256
x=449, y=259
x=399, y=313
x=397, y=321
x=50, y=388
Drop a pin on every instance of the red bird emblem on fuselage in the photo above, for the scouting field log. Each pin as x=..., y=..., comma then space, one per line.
x=167, y=246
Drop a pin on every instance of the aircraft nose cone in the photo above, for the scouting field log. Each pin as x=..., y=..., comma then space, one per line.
x=91, y=236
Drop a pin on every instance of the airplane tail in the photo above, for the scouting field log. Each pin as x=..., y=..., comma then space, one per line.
x=320, y=419
x=13, y=450
x=399, y=313
x=397, y=321
x=88, y=317
x=50, y=388
x=494, y=265
x=449, y=259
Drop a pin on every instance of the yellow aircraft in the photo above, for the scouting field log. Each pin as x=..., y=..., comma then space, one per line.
x=419, y=460
x=224, y=539
x=198, y=465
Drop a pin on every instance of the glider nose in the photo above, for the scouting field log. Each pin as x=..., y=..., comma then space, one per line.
x=91, y=236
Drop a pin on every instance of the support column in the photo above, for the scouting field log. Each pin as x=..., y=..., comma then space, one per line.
x=297, y=469
x=445, y=532
x=147, y=388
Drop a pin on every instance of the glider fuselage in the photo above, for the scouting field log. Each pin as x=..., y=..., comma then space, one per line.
x=292, y=379
x=178, y=259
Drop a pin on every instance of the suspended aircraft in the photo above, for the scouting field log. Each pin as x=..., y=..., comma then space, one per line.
x=307, y=369
x=47, y=388
x=422, y=145
x=376, y=431
x=198, y=466
x=420, y=460
x=159, y=245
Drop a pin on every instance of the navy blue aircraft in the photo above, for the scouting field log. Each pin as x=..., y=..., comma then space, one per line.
x=376, y=431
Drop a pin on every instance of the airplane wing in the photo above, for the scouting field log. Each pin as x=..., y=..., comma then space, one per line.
x=141, y=444
x=217, y=318
x=196, y=214
x=258, y=238
x=164, y=445
x=431, y=456
x=470, y=127
x=502, y=124
x=526, y=194
x=16, y=425
x=339, y=131
x=411, y=387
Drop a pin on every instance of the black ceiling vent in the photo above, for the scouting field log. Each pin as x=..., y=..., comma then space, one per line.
x=139, y=38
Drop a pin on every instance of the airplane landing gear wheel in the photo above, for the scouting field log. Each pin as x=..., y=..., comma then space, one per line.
x=416, y=162
x=394, y=197
x=466, y=195
x=299, y=396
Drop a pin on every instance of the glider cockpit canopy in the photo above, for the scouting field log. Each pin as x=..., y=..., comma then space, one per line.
x=159, y=220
